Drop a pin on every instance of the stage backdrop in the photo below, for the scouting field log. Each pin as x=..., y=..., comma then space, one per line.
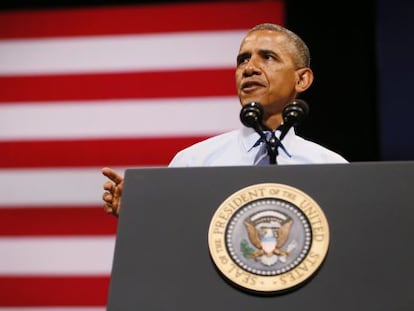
x=395, y=47
x=93, y=87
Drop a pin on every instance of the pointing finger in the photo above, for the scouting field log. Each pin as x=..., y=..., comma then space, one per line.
x=112, y=175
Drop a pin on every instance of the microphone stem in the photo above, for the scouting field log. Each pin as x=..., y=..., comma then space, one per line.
x=284, y=128
x=272, y=146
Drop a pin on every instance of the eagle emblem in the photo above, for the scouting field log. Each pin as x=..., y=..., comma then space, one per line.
x=268, y=232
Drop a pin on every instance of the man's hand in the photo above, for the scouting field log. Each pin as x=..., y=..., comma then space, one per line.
x=113, y=191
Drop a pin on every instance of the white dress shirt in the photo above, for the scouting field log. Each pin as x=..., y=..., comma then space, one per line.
x=238, y=147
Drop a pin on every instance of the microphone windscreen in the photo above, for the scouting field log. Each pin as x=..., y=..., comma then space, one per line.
x=295, y=112
x=251, y=115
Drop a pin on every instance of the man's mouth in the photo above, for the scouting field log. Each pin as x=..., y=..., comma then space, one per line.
x=250, y=86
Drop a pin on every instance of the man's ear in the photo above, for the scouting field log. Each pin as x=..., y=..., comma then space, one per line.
x=305, y=79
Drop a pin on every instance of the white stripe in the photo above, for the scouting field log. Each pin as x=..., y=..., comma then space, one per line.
x=53, y=309
x=56, y=256
x=120, y=53
x=115, y=118
x=31, y=187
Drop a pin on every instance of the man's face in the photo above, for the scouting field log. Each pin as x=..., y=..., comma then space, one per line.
x=265, y=71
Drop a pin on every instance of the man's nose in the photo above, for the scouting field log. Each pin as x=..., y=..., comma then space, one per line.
x=252, y=68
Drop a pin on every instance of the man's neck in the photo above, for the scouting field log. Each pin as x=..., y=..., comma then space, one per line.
x=273, y=121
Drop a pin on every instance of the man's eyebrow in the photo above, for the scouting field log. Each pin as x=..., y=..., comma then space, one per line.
x=267, y=51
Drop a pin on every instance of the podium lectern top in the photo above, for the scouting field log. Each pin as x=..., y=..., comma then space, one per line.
x=162, y=259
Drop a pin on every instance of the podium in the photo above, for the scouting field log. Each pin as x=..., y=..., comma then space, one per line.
x=162, y=259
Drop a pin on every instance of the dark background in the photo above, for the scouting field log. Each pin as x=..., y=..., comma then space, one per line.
x=362, y=57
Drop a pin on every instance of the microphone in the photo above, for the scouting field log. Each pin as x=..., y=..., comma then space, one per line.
x=251, y=115
x=293, y=114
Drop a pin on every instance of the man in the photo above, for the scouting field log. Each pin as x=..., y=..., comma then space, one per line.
x=273, y=68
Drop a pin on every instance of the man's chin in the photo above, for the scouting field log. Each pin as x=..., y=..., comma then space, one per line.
x=248, y=101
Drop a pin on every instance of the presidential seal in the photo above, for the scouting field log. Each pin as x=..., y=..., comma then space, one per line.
x=268, y=238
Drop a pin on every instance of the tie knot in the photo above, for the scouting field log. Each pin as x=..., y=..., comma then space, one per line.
x=262, y=139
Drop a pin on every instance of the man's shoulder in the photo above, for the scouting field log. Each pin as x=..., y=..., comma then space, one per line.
x=198, y=153
x=215, y=140
x=316, y=151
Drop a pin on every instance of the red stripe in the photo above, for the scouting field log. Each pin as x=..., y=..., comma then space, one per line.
x=189, y=83
x=139, y=19
x=82, y=153
x=53, y=291
x=56, y=220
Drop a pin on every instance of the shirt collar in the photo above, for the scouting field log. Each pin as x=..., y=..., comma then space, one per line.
x=250, y=139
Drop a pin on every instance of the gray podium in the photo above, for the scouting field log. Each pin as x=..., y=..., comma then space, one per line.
x=162, y=260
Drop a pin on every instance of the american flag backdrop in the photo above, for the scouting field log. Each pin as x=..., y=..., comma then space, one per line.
x=118, y=86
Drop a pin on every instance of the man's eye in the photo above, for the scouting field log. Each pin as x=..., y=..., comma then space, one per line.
x=242, y=60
